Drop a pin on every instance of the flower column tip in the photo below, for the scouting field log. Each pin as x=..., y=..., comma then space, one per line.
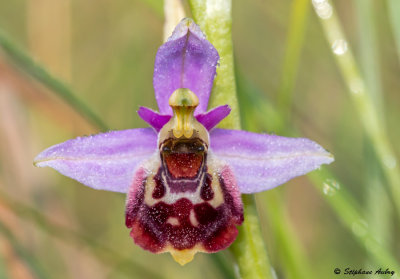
x=183, y=102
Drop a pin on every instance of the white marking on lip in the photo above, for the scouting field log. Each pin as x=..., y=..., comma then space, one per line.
x=214, y=168
x=218, y=197
x=193, y=219
x=173, y=221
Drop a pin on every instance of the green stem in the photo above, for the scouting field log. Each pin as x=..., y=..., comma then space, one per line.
x=298, y=23
x=367, y=111
x=378, y=214
x=393, y=11
x=39, y=73
x=249, y=249
x=214, y=17
x=369, y=51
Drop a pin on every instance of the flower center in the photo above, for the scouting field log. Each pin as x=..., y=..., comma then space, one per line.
x=183, y=134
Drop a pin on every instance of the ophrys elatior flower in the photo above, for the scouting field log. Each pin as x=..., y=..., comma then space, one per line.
x=183, y=177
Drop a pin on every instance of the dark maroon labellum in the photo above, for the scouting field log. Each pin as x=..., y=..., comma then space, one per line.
x=185, y=204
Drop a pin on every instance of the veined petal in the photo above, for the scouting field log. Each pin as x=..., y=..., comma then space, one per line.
x=186, y=60
x=104, y=161
x=153, y=118
x=211, y=118
x=261, y=162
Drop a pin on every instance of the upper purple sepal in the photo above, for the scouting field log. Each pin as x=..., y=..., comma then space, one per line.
x=104, y=161
x=261, y=162
x=186, y=60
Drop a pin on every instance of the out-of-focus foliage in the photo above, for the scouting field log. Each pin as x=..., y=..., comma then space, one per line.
x=105, y=51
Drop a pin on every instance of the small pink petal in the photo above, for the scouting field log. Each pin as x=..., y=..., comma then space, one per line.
x=153, y=118
x=211, y=118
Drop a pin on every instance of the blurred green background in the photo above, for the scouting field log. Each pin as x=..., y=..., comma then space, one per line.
x=289, y=83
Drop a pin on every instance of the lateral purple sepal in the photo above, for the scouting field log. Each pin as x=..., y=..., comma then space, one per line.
x=261, y=162
x=211, y=118
x=186, y=60
x=153, y=118
x=104, y=161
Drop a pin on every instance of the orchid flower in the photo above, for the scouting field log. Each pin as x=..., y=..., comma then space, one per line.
x=183, y=177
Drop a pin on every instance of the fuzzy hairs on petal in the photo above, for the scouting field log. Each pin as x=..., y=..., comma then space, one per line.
x=261, y=162
x=104, y=161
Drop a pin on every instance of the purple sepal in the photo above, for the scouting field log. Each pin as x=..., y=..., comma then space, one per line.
x=153, y=118
x=261, y=162
x=104, y=161
x=211, y=118
x=186, y=60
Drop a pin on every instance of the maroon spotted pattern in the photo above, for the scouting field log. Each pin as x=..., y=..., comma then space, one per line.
x=214, y=228
x=159, y=190
x=206, y=192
